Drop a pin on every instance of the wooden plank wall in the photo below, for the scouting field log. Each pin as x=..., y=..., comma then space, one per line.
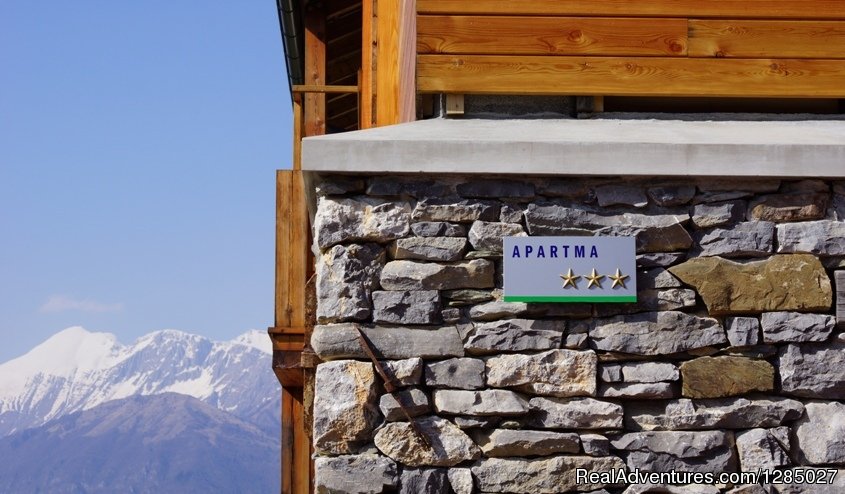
x=754, y=48
x=395, y=94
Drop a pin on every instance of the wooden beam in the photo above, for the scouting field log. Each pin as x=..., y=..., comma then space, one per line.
x=407, y=47
x=387, y=54
x=298, y=132
x=454, y=105
x=345, y=32
x=292, y=251
x=303, y=477
x=396, y=50
x=292, y=326
x=287, y=365
x=292, y=256
x=340, y=8
x=766, y=39
x=614, y=76
x=368, y=46
x=294, y=265
x=506, y=35
x=292, y=270
x=287, y=441
x=765, y=9
x=315, y=71
x=311, y=88
x=283, y=211
x=288, y=342
x=296, y=446
x=274, y=330
x=342, y=42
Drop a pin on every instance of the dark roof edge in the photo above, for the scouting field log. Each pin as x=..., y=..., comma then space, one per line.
x=290, y=26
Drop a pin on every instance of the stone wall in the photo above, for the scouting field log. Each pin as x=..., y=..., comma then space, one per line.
x=732, y=360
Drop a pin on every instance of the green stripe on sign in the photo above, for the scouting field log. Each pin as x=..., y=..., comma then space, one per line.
x=528, y=298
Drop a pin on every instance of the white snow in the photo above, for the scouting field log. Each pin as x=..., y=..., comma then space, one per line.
x=255, y=339
x=76, y=369
x=62, y=355
x=200, y=387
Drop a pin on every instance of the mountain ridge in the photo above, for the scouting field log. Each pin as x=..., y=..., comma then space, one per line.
x=159, y=443
x=76, y=370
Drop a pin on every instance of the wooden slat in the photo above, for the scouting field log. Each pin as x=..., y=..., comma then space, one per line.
x=300, y=256
x=344, y=30
x=292, y=258
x=764, y=9
x=365, y=98
x=273, y=330
x=396, y=34
x=288, y=342
x=387, y=55
x=602, y=76
x=292, y=269
x=287, y=366
x=340, y=8
x=298, y=130
x=301, y=448
x=296, y=445
x=315, y=71
x=407, y=61
x=506, y=35
x=766, y=39
x=283, y=211
x=287, y=441
x=310, y=88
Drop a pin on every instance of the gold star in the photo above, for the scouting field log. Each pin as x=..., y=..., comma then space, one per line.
x=595, y=279
x=570, y=279
x=619, y=279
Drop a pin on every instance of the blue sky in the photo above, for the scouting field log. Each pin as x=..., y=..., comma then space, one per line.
x=138, y=143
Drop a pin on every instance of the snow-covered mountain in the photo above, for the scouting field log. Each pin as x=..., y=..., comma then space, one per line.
x=142, y=444
x=77, y=370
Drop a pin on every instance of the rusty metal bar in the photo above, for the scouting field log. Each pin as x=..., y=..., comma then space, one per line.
x=390, y=385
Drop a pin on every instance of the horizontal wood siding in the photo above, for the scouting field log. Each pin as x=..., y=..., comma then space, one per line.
x=507, y=35
x=759, y=9
x=751, y=48
x=762, y=39
x=628, y=76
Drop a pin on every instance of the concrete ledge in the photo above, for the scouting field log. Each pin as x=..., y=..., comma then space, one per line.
x=587, y=147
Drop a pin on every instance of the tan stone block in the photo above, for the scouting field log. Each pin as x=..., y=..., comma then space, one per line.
x=716, y=377
x=780, y=208
x=782, y=282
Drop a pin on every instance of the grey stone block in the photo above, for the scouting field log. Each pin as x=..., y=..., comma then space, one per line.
x=407, y=307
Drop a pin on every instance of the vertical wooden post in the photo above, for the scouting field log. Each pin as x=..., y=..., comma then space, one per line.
x=396, y=61
x=302, y=464
x=296, y=448
x=315, y=70
x=407, y=96
x=297, y=131
x=291, y=249
x=292, y=269
x=287, y=440
x=294, y=265
x=368, y=47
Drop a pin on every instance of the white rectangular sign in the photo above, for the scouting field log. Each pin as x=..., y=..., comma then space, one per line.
x=570, y=269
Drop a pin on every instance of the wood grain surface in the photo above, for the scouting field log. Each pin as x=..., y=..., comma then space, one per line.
x=619, y=76
x=506, y=35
